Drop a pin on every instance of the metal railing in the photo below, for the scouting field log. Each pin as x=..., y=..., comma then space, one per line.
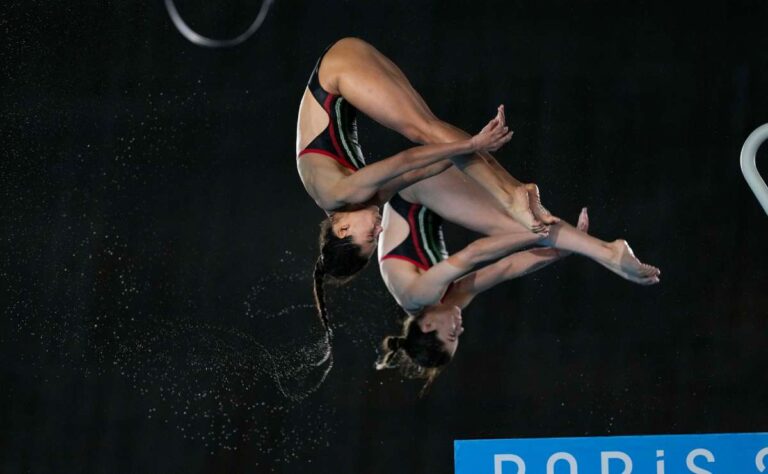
x=749, y=168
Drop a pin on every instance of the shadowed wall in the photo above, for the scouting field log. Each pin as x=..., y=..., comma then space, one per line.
x=154, y=232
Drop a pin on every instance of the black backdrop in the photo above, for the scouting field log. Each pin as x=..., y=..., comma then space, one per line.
x=155, y=238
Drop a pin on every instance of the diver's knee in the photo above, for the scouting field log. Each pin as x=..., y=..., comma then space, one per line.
x=353, y=42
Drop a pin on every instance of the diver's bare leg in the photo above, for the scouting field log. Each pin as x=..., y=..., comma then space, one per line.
x=461, y=201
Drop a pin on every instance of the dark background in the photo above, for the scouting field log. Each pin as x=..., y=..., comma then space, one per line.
x=156, y=244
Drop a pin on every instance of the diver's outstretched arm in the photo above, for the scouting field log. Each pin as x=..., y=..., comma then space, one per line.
x=409, y=166
x=428, y=288
x=512, y=266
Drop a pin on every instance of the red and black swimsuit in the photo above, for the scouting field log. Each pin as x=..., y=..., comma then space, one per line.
x=424, y=246
x=339, y=139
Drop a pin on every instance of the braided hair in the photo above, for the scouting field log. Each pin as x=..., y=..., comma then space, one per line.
x=416, y=353
x=340, y=260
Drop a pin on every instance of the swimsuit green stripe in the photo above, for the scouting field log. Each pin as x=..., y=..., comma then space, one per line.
x=441, y=243
x=430, y=237
x=342, y=133
x=434, y=241
x=424, y=238
x=434, y=236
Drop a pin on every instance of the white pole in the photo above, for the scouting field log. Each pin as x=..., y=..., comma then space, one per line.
x=749, y=168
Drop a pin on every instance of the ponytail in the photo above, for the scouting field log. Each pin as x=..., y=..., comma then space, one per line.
x=319, y=291
x=415, y=353
x=391, y=346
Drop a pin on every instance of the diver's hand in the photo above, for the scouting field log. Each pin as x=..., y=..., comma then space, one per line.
x=494, y=135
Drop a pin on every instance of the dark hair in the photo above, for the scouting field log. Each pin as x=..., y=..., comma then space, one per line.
x=340, y=259
x=416, y=353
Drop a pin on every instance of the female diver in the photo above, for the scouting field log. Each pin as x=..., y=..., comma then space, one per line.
x=428, y=284
x=352, y=75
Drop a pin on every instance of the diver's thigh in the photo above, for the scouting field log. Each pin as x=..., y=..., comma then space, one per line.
x=377, y=87
x=459, y=199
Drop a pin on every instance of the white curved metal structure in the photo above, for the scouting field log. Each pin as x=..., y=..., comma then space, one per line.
x=201, y=40
x=749, y=168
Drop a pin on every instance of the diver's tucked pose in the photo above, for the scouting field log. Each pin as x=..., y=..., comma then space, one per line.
x=433, y=303
x=417, y=271
x=352, y=75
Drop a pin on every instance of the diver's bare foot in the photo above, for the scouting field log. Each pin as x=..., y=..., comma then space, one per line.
x=539, y=211
x=520, y=210
x=625, y=264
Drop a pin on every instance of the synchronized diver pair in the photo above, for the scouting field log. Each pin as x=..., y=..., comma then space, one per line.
x=397, y=205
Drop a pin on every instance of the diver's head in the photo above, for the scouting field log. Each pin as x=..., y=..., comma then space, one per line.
x=428, y=342
x=347, y=241
x=362, y=227
x=444, y=320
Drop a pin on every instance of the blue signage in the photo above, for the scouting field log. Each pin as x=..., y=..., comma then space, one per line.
x=737, y=453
